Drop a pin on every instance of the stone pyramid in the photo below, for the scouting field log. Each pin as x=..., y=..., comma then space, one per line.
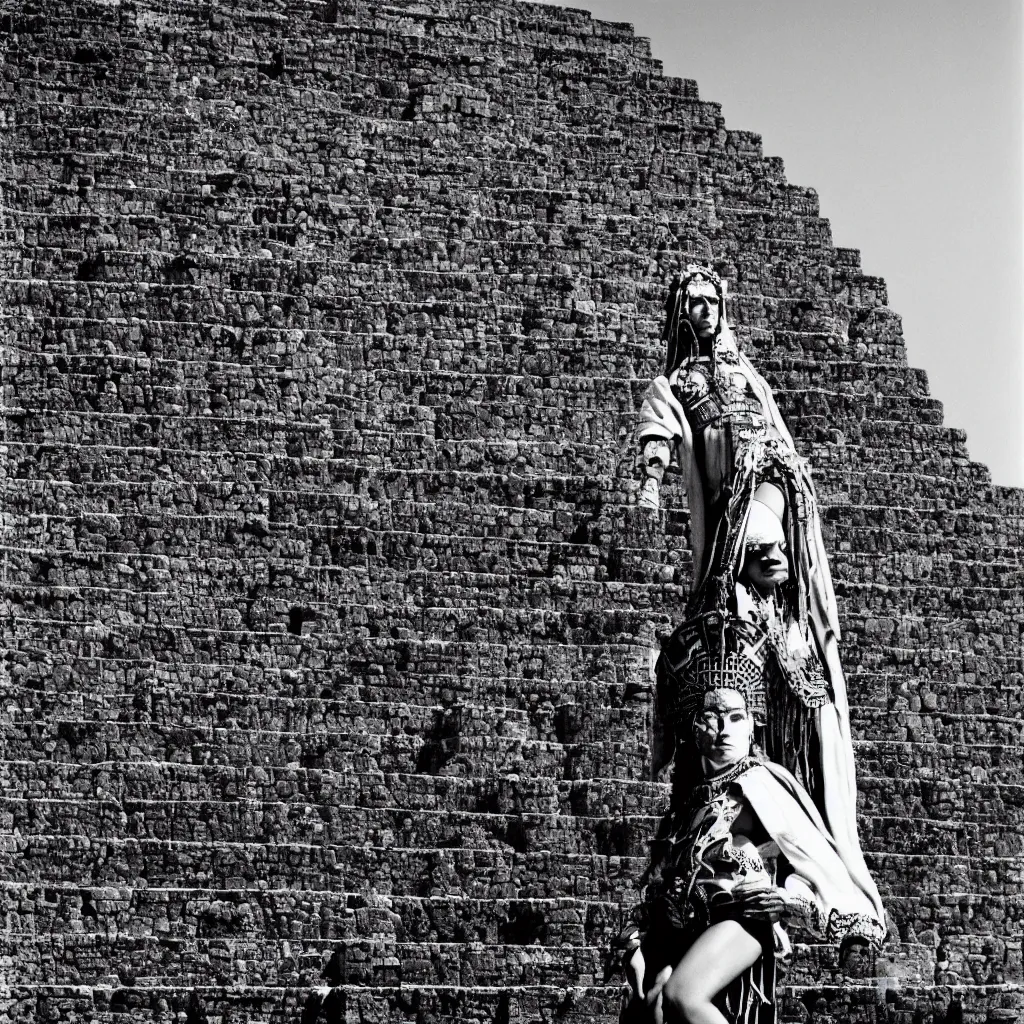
x=327, y=611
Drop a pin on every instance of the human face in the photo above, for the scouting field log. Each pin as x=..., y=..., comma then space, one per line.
x=766, y=565
x=723, y=729
x=703, y=310
x=765, y=562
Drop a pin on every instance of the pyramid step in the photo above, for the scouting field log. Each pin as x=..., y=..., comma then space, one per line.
x=336, y=751
x=124, y=782
x=54, y=861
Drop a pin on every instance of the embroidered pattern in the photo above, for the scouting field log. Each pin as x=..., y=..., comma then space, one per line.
x=854, y=926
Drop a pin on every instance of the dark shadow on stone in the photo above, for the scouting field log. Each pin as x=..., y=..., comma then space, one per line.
x=569, y=722
x=311, y=1008
x=324, y=1009
x=525, y=926
x=954, y=1014
x=441, y=742
x=91, y=55
x=275, y=68
x=517, y=836
x=91, y=268
x=180, y=270
x=195, y=1011
x=298, y=617
x=503, y=1013
x=334, y=969
x=612, y=838
x=566, y=1003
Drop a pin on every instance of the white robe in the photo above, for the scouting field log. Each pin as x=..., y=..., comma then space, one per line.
x=663, y=417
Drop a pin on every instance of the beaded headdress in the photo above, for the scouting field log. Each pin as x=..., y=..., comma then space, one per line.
x=716, y=651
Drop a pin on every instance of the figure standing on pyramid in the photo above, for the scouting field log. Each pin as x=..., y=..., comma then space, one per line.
x=762, y=612
x=742, y=851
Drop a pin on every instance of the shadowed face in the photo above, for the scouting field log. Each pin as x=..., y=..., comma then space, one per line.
x=723, y=729
x=703, y=310
x=765, y=562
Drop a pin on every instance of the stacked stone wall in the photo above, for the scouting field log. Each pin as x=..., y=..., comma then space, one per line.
x=327, y=609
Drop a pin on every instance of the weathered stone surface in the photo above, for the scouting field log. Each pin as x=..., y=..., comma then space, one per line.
x=327, y=613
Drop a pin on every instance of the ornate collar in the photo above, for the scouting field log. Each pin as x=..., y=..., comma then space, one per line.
x=711, y=788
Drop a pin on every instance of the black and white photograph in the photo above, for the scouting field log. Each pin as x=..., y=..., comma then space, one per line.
x=512, y=512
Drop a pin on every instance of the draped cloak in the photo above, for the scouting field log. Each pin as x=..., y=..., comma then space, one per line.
x=840, y=909
x=720, y=468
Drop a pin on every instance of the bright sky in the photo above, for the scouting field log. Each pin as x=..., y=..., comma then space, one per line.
x=906, y=116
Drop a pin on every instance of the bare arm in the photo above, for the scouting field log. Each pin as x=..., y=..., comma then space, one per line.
x=634, y=967
x=654, y=461
x=662, y=426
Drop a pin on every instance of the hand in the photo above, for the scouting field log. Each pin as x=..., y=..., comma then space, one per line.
x=759, y=902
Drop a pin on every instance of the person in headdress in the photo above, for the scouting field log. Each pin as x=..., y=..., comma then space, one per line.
x=713, y=417
x=741, y=851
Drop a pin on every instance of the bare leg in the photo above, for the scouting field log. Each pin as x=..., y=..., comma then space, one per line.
x=719, y=956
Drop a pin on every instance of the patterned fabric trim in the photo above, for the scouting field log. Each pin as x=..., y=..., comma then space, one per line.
x=841, y=927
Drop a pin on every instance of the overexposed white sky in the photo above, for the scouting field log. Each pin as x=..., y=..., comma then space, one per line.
x=906, y=117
